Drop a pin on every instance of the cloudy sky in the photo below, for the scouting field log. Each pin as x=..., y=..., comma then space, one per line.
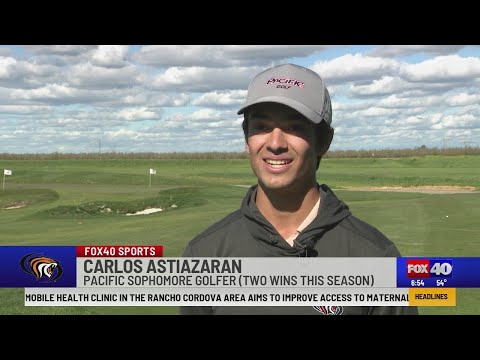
x=166, y=98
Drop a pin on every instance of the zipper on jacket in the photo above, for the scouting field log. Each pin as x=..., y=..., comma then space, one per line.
x=304, y=250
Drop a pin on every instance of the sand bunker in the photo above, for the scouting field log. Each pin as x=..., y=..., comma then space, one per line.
x=14, y=207
x=145, y=212
x=149, y=211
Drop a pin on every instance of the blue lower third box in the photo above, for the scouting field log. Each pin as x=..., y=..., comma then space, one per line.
x=38, y=266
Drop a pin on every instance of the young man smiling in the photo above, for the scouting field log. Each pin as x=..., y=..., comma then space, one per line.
x=287, y=128
x=283, y=150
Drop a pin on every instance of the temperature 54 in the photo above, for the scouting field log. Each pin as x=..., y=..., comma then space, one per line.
x=441, y=282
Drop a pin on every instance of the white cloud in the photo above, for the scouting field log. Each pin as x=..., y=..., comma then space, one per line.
x=463, y=99
x=374, y=112
x=221, y=55
x=69, y=50
x=408, y=102
x=386, y=85
x=169, y=100
x=110, y=56
x=135, y=99
x=185, y=98
x=87, y=75
x=355, y=67
x=233, y=98
x=402, y=50
x=442, y=69
x=201, y=79
x=49, y=91
x=25, y=74
x=135, y=114
x=59, y=94
x=5, y=52
x=23, y=109
x=7, y=67
x=123, y=133
x=457, y=121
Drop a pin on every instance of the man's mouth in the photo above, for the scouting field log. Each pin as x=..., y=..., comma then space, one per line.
x=277, y=163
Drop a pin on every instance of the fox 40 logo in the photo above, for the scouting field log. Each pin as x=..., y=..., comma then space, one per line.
x=425, y=268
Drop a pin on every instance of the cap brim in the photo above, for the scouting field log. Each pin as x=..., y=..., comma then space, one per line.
x=302, y=109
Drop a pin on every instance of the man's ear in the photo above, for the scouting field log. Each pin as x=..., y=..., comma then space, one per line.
x=324, y=138
x=247, y=148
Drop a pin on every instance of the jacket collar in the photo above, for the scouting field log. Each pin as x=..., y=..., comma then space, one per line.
x=332, y=211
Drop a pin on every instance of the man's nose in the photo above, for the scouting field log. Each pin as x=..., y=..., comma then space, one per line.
x=277, y=140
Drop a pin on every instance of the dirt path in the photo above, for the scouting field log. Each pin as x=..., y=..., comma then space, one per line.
x=421, y=189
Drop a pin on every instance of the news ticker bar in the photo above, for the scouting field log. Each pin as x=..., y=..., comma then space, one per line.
x=132, y=266
x=239, y=297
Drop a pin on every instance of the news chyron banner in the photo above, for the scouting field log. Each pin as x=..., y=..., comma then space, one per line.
x=141, y=276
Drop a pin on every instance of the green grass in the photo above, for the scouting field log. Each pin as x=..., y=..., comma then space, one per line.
x=419, y=226
x=127, y=172
x=417, y=171
x=64, y=200
x=428, y=170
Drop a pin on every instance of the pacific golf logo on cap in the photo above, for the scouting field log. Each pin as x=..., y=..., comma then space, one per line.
x=285, y=83
x=329, y=310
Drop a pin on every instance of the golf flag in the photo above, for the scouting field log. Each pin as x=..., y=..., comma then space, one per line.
x=153, y=171
x=7, y=172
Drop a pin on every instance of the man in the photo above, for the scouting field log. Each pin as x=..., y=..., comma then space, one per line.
x=287, y=127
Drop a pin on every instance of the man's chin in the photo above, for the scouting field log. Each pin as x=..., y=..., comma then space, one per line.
x=276, y=185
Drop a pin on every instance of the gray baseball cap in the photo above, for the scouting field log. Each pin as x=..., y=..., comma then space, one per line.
x=295, y=86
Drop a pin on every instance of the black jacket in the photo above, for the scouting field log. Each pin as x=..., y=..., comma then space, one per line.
x=335, y=232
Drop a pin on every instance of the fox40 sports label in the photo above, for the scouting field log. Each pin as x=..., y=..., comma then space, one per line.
x=128, y=275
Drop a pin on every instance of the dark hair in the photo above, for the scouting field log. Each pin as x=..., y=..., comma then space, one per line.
x=323, y=131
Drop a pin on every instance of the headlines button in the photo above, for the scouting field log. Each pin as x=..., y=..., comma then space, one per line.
x=432, y=297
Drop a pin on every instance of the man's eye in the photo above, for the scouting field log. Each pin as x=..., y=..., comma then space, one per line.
x=295, y=128
x=260, y=127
